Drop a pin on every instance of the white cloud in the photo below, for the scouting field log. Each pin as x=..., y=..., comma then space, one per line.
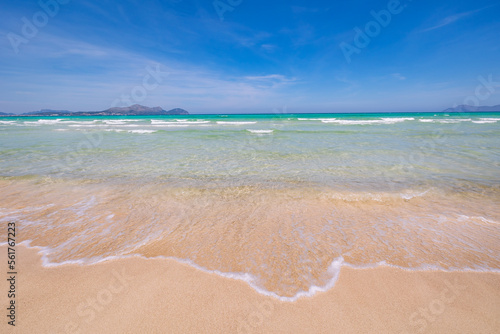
x=398, y=76
x=452, y=18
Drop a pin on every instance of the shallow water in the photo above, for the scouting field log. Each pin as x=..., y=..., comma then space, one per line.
x=281, y=201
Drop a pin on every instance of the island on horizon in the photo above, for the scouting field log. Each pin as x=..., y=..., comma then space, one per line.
x=134, y=110
x=140, y=110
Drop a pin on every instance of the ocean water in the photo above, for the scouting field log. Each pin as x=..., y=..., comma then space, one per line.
x=281, y=201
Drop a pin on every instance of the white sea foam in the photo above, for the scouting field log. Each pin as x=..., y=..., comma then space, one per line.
x=457, y=120
x=142, y=131
x=195, y=122
x=399, y=119
x=315, y=119
x=132, y=120
x=484, y=220
x=422, y=267
x=445, y=121
x=44, y=121
x=155, y=121
x=118, y=121
x=178, y=123
x=426, y=267
x=333, y=271
x=78, y=122
x=88, y=125
x=49, y=121
x=368, y=196
x=484, y=122
x=488, y=220
x=100, y=126
x=114, y=122
x=7, y=122
x=235, y=123
x=260, y=131
x=366, y=122
x=413, y=194
x=200, y=121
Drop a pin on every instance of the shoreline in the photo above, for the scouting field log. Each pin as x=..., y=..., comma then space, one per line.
x=162, y=295
x=335, y=268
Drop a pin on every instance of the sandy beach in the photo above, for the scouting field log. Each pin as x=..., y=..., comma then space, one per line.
x=138, y=295
x=250, y=167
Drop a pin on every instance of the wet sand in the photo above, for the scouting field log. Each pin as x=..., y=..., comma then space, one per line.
x=284, y=240
x=138, y=295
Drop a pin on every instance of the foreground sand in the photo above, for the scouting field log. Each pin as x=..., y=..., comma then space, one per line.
x=162, y=296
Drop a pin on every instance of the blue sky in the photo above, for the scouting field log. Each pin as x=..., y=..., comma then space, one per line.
x=248, y=56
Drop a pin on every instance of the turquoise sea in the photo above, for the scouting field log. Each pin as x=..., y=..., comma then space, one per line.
x=365, y=151
x=281, y=200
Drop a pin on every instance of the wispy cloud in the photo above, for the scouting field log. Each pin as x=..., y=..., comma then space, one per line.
x=398, y=76
x=82, y=83
x=451, y=19
x=272, y=77
x=93, y=52
x=269, y=47
x=270, y=80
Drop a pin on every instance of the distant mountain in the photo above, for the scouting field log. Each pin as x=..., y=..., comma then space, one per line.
x=468, y=108
x=136, y=109
x=177, y=111
x=6, y=114
x=47, y=112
